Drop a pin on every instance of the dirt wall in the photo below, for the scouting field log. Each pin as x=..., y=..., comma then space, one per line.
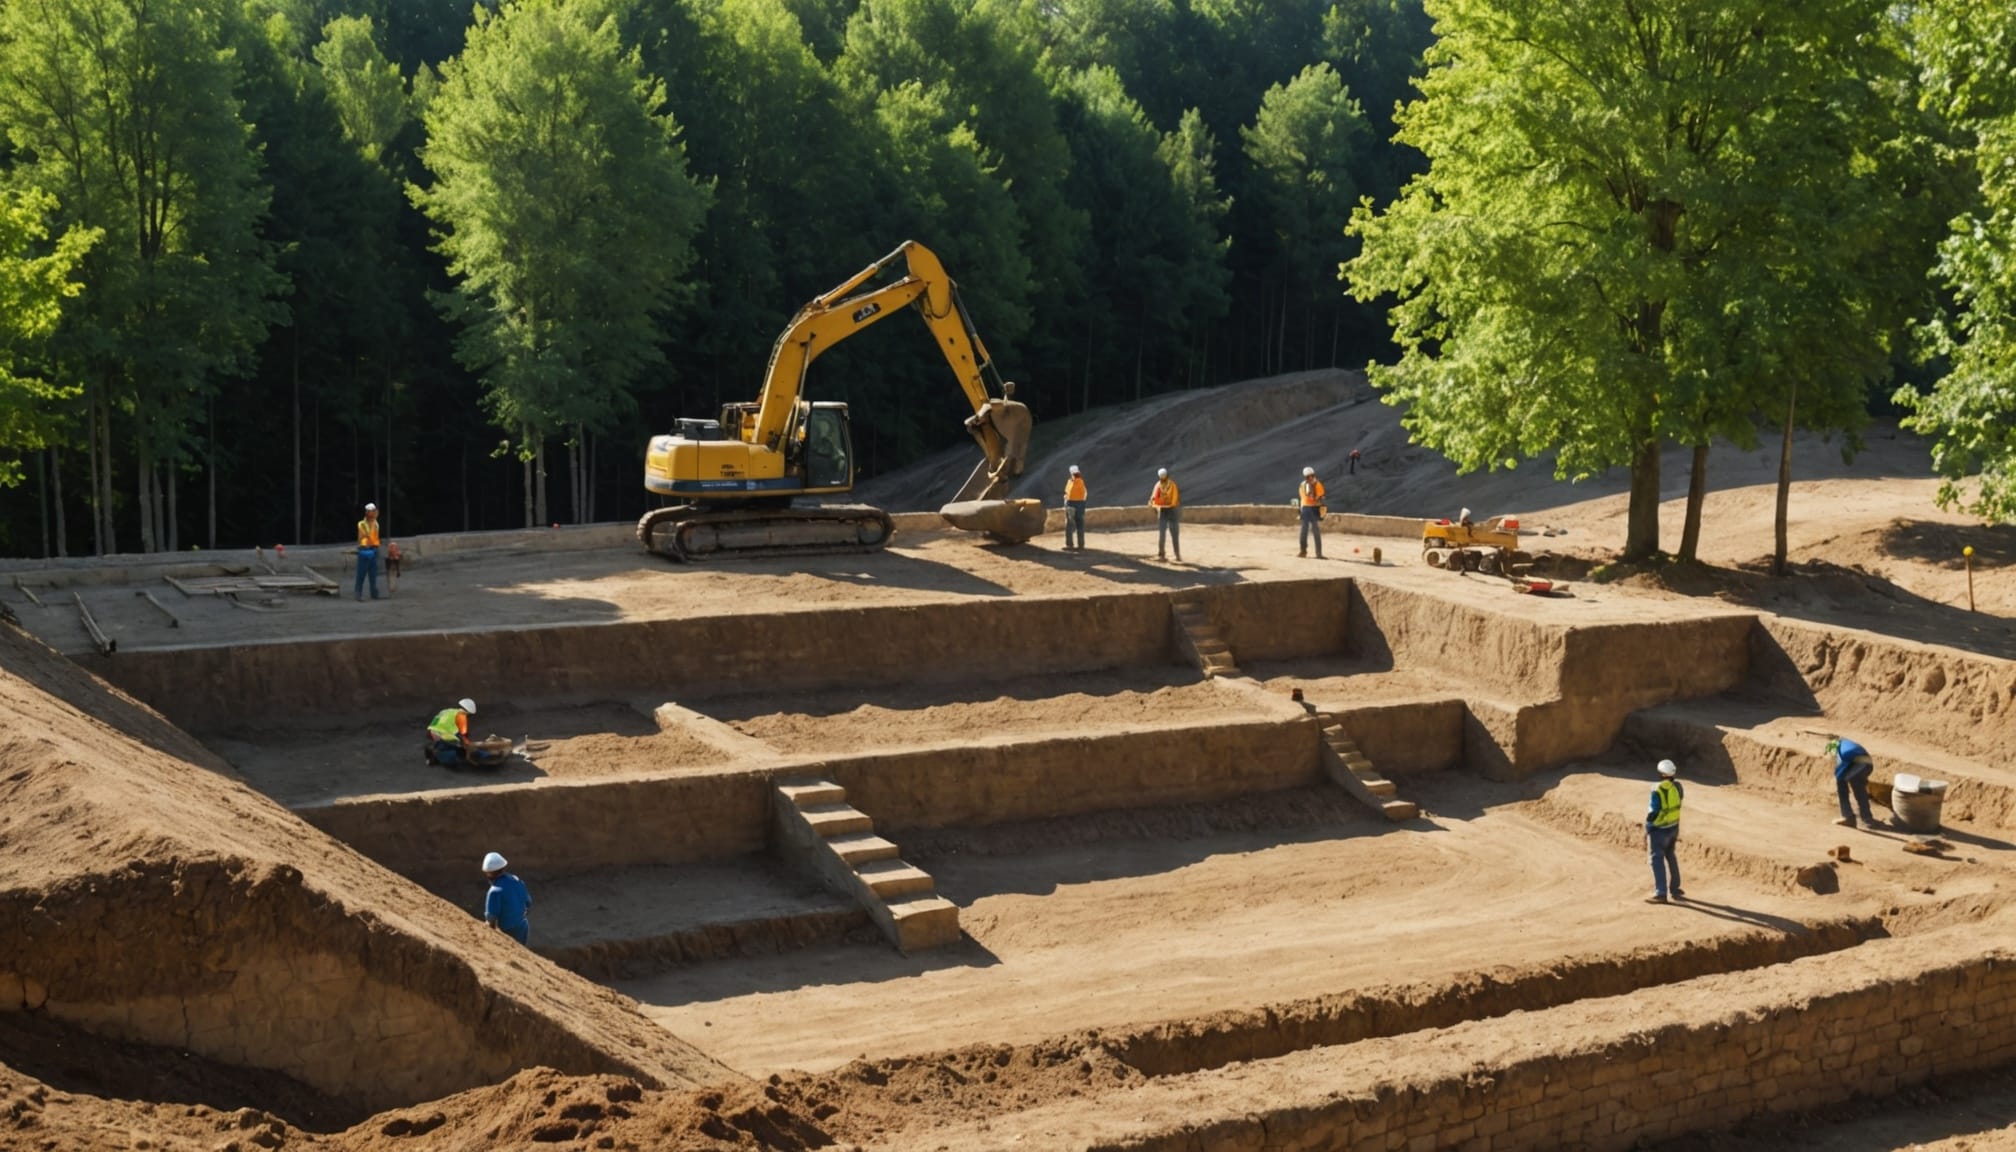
x=1409, y=737
x=251, y=968
x=580, y=827
x=1602, y=1076
x=209, y=688
x=1958, y=701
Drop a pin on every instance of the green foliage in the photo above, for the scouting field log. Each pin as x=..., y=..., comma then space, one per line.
x=1638, y=223
x=1971, y=412
x=365, y=89
x=1303, y=146
x=35, y=280
x=561, y=199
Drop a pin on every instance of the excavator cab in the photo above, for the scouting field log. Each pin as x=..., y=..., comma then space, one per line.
x=829, y=447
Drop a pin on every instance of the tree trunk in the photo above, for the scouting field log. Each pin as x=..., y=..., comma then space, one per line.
x=174, y=476
x=296, y=369
x=56, y=484
x=465, y=485
x=91, y=444
x=1784, y=483
x=525, y=469
x=574, y=476
x=42, y=497
x=144, y=483
x=1281, y=339
x=539, y=474
x=1641, y=533
x=315, y=476
x=210, y=470
x=1697, y=492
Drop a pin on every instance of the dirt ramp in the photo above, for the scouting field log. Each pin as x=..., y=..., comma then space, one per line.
x=148, y=899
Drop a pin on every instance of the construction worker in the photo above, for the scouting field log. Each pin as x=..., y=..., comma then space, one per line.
x=1354, y=461
x=1852, y=767
x=1311, y=496
x=1074, y=510
x=367, y=551
x=448, y=734
x=507, y=905
x=1662, y=834
x=1168, y=505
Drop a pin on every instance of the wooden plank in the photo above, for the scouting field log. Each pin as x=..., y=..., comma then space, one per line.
x=249, y=607
x=174, y=621
x=29, y=592
x=105, y=645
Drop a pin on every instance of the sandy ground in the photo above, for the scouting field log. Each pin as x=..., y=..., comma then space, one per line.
x=1110, y=933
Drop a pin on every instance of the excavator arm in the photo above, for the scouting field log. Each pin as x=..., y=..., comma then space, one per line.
x=1000, y=425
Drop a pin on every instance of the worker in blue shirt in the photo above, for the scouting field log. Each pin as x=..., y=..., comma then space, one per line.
x=1662, y=835
x=506, y=906
x=1852, y=767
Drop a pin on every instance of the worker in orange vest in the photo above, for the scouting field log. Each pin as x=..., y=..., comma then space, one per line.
x=1168, y=505
x=367, y=552
x=1311, y=497
x=1074, y=510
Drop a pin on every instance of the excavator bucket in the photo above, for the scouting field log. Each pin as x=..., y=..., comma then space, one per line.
x=1002, y=431
x=1009, y=521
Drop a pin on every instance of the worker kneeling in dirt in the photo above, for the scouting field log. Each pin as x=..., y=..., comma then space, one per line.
x=507, y=906
x=448, y=735
x=1852, y=767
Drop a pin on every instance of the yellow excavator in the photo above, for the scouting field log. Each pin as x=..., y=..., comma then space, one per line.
x=737, y=478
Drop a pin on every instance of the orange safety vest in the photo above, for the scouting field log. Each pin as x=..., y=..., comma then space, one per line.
x=1165, y=495
x=367, y=534
x=1312, y=492
x=1074, y=488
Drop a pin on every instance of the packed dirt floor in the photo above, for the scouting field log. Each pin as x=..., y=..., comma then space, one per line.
x=1127, y=977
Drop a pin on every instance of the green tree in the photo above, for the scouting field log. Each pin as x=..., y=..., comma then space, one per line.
x=35, y=280
x=561, y=199
x=1190, y=155
x=1620, y=200
x=368, y=94
x=1304, y=147
x=126, y=111
x=1971, y=412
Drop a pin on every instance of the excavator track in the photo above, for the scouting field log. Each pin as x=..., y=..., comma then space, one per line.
x=691, y=534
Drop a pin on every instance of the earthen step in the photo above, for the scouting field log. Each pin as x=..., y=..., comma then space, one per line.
x=809, y=793
x=1400, y=809
x=924, y=922
x=1380, y=787
x=861, y=848
x=1357, y=762
x=889, y=879
x=830, y=820
x=1212, y=648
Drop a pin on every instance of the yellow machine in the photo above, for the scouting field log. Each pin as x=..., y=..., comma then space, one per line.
x=1464, y=545
x=736, y=478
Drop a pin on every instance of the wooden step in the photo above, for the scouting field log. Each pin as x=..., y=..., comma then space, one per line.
x=892, y=878
x=1399, y=810
x=1380, y=787
x=809, y=793
x=830, y=820
x=860, y=848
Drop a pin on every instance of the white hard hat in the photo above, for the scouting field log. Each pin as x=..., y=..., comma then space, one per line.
x=1668, y=768
x=494, y=863
x=1308, y=471
x=370, y=507
x=1162, y=473
x=1463, y=515
x=466, y=705
x=1074, y=470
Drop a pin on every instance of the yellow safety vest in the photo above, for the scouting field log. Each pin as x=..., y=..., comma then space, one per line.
x=1668, y=795
x=1074, y=488
x=1312, y=492
x=1165, y=495
x=367, y=534
x=447, y=724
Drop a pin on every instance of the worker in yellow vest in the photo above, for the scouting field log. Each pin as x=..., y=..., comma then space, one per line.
x=367, y=551
x=1074, y=510
x=448, y=734
x=1662, y=835
x=1168, y=505
x=1310, y=495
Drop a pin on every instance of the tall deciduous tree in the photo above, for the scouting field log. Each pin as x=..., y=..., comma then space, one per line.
x=561, y=198
x=35, y=280
x=126, y=110
x=1618, y=195
x=1971, y=412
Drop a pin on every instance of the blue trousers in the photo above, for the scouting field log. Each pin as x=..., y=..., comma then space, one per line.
x=367, y=567
x=1312, y=522
x=1074, y=523
x=1665, y=863
x=1854, y=783
x=520, y=932
x=1169, y=531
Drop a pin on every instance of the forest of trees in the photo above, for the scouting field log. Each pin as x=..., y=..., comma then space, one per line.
x=264, y=260
x=462, y=260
